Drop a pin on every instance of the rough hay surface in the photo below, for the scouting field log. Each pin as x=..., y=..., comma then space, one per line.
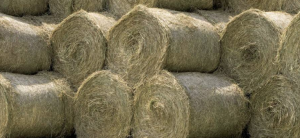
x=148, y=39
x=234, y=6
x=120, y=7
x=103, y=107
x=181, y=5
x=275, y=109
x=89, y=5
x=291, y=6
x=61, y=7
x=249, y=47
x=79, y=45
x=34, y=106
x=189, y=105
x=23, y=7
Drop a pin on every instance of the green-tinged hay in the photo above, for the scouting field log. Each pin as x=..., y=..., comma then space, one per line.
x=249, y=47
x=289, y=51
x=182, y=105
x=23, y=7
x=181, y=5
x=291, y=6
x=217, y=18
x=120, y=7
x=24, y=44
x=275, y=109
x=89, y=5
x=103, y=107
x=60, y=7
x=34, y=106
x=79, y=45
x=148, y=39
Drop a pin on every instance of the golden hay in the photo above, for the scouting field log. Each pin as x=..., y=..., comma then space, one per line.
x=103, y=107
x=79, y=45
x=23, y=7
x=182, y=105
x=249, y=47
x=181, y=5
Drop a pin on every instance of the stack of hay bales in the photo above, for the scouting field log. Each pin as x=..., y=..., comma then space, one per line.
x=21, y=7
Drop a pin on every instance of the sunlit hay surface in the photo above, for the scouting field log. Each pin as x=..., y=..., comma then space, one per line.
x=189, y=105
x=249, y=47
x=103, y=107
x=275, y=109
x=34, y=106
x=23, y=7
x=148, y=39
x=79, y=45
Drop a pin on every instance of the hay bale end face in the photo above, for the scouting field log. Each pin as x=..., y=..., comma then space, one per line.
x=181, y=5
x=79, y=45
x=31, y=106
x=249, y=47
x=89, y=5
x=147, y=39
x=275, y=109
x=103, y=107
x=24, y=46
x=189, y=105
x=21, y=7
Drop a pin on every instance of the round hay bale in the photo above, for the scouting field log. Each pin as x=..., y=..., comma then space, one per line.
x=34, y=106
x=249, y=47
x=181, y=5
x=60, y=7
x=103, y=107
x=120, y=7
x=291, y=6
x=181, y=105
x=289, y=50
x=147, y=39
x=24, y=45
x=23, y=7
x=275, y=109
x=234, y=6
x=79, y=45
x=89, y=5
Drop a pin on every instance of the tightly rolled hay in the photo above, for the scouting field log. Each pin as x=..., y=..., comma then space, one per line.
x=234, y=6
x=217, y=18
x=289, y=50
x=120, y=7
x=147, y=39
x=275, y=109
x=249, y=47
x=34, y=106
x=181, y=105
x=24, y=44
x=181, y=5
x=60, y=7
x=89, y=5
x=292, y=6
x=79, y=45
x=23, y=7
x=103, y=107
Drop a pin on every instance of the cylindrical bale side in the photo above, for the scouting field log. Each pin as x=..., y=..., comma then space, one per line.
x=79, y=45
x=291, y=6
x=23, y=7
x=181, y=105
x=120, y=7
x=34, y=106
x=289, y=51
x=249, y=47
x=148, y=39
x=275, y=109
x=103, y=107
x=24, y=44
x=89, y=5
x=181, y=5
x=234, y=6
x=60, y=7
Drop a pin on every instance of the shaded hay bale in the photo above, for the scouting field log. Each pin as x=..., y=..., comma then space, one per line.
x=60, y=7
x=89, y=5
x=249, y=47
x=183, y=105
x=103, y=107
x=148, y=39
x=79, y=45
x=34, y=106
x=24, y=44
x=275, y=109
x=23, y=7
x=289, y=50
x=120, y=7
x=291, y=6
x=181, y=5
x=235, y=6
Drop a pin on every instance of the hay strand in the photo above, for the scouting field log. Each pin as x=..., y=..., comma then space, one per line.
x=147, y=39
x=183, y=105
x=249, y=47
x=181, y=5
x=103, y=107
x=34, y=106
x=23, y=7
x=79, y=44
